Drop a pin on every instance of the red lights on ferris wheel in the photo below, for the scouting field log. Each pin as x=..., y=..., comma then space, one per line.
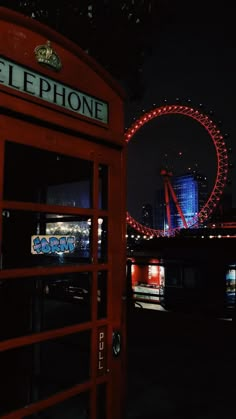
x=221, y=155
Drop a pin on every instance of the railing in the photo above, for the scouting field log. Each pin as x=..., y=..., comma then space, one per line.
x=143, y=294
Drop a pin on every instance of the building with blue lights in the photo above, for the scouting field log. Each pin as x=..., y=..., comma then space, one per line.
x=186, y=190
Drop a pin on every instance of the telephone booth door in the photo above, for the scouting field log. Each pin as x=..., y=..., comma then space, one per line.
x=62, y=277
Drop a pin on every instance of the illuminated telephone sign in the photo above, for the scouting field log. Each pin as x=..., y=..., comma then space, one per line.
x=17, y=77
x=48, y=244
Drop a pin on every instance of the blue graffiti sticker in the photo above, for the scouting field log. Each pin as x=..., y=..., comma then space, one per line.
x=52, y=244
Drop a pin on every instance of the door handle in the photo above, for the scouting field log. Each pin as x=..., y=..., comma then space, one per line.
x=116, y=343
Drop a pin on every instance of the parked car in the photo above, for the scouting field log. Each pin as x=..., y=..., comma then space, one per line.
x=66, y=290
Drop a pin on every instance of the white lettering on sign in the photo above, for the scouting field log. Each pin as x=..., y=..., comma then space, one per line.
x=101, y=351
x=21, y=79
x=101, y=348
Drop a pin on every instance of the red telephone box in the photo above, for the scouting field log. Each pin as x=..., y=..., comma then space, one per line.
x=62, y=228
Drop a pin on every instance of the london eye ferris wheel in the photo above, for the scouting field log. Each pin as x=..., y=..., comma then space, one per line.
x=220, y=178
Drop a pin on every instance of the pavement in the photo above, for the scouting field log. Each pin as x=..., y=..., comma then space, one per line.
x=180, y=366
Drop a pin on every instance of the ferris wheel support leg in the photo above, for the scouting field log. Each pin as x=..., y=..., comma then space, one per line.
x=177, y=204
x=167, y=202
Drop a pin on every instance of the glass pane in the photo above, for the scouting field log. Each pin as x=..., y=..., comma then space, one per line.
x=66, y=300
x=102, y=294
x=103, y=186
x=101, y=401
x=75, y=408
x=35, y=175
x=72, y=244
x=230, y=288
x=34, y=372
x=30, y=305
x=102, y=239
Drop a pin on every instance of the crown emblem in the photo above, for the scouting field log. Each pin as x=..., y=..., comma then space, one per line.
x=45, y=55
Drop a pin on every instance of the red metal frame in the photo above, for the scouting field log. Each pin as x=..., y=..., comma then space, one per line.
x=29, y=121
x=221, y=155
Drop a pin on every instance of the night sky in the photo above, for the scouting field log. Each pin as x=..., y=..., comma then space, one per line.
x=193, y=58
